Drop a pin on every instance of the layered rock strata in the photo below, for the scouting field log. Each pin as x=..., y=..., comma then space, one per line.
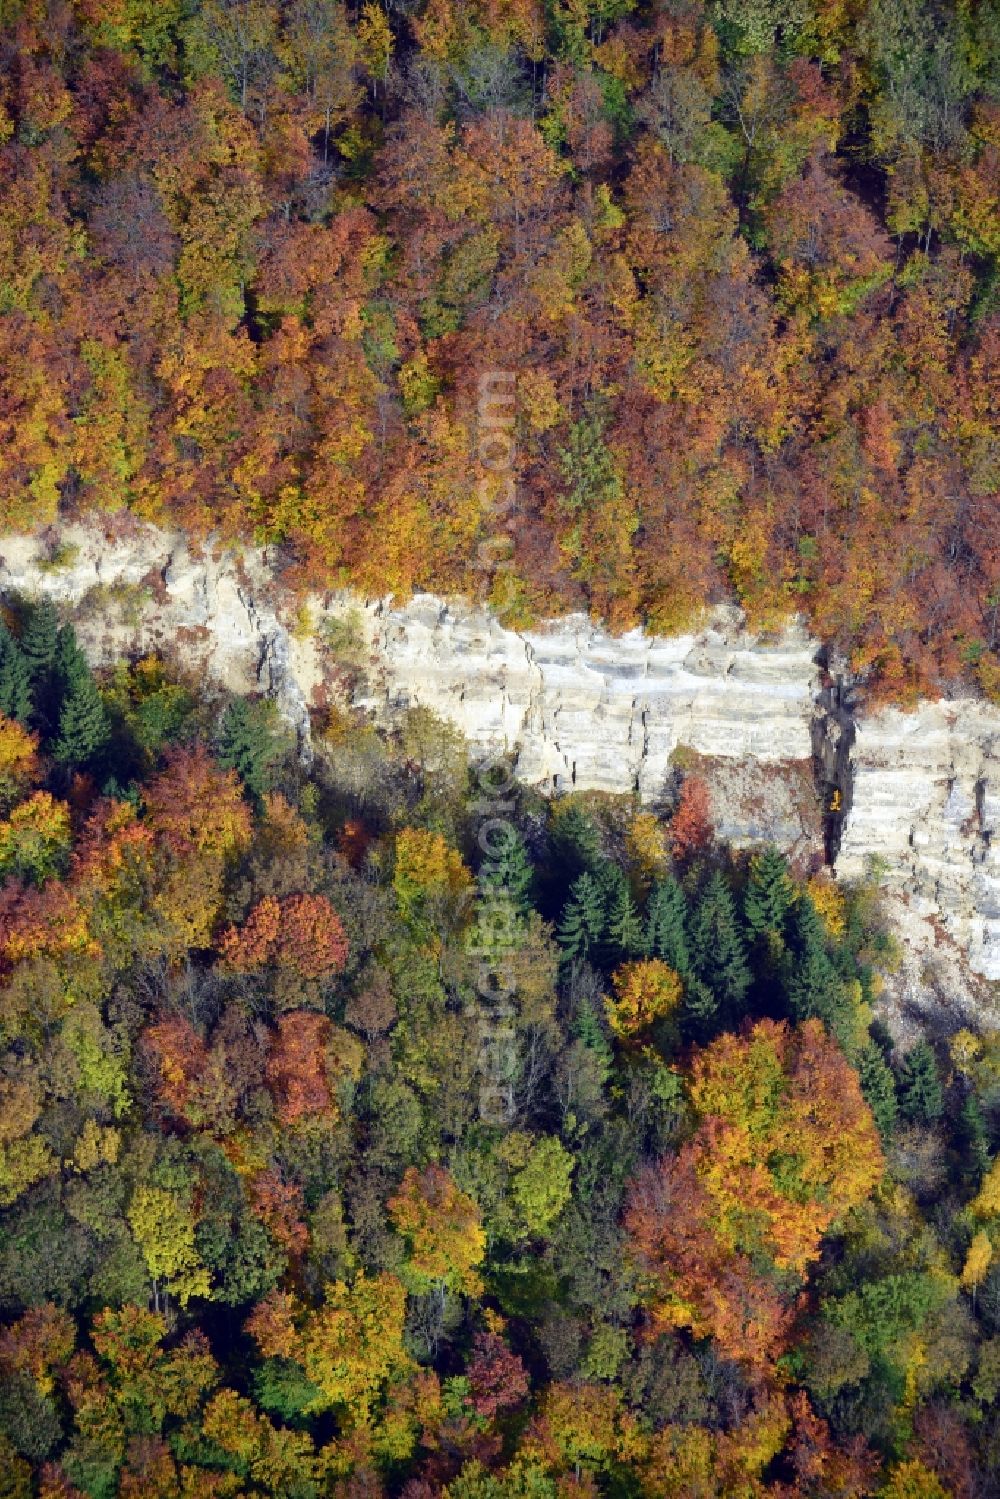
x=919, y=792
x=926, y=810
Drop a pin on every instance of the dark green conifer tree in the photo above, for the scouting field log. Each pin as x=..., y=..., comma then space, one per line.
x=40, y=638
x=813, y=987
x=921, y=1100
x=69, y=662
x=40, y=649
x=576, y=843
x=625, y=935
x=588, y=1030
x=879, y=1088
x=583, y=920
x=249, y=743
x=666, y=925
x=84, y=727
x=700, y=1011
x=973, y=1138
x=769, y=893
x=718, y=949
x=15, y=679
x=507, y=869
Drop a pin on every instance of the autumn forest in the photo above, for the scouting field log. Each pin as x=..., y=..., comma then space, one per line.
x=374, y=1128
x=356, y=1141
x=739, y=260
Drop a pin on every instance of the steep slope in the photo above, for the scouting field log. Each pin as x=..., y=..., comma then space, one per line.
x=785, y=758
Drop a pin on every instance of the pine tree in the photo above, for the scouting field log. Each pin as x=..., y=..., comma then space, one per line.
x=920, y=1097
x=583, y=919
x=879, y=1088
x=718, y=950
x=666, y=925
x=84, y=728
x=15, y=679
x=248, y=743
x=625, y=935
x=769, y=893
x=508, y=870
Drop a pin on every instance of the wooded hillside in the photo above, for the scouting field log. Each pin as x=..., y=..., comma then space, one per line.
x=256, y=257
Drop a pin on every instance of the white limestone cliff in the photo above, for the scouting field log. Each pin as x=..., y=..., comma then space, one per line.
x=138, y=589
x=926, y=806
x=585, y=710
x=578, y=707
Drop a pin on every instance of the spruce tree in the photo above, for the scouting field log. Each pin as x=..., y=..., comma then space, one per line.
x=576, y=843
x=806, y=930
x=84, y=728
x=973, y=1138
x=40, y=648
x=507, y=869
x=583, y=919
x=700, y=1011
x=40, y=639
x=588, y=1030
x=666, y=925
x=625, y=935
x=920, y=1097
x=248, y=743
x=769, y=893
x=813, y=987
x=69, y=663
x=15, y=679
x=718, y=950
x=879, y=1088
x=614, y=889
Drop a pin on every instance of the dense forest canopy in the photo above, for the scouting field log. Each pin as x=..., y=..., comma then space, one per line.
x=386, y=1131
x=739, y=259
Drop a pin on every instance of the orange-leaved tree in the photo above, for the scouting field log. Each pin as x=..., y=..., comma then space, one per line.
x=725, y=1230
x=200, y=822
x=309, y=1059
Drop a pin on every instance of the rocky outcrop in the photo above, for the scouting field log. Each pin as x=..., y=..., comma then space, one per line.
x=926, y=810
x=139, y=590
x=587, y=710
x=785, y=752
x=583, y=710
x=577, y=708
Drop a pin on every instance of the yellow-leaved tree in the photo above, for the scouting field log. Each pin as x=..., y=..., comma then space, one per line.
x=646, y=993
x=350, y=1348
x=432, y=883
x=163, y=1226
x=443, y=1230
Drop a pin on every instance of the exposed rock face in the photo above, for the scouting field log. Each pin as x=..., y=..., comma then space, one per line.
x=926, y=803
x=148, y=590
x=582, y=709
x=587, y=711
x=579, y=708
x=592, y=711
